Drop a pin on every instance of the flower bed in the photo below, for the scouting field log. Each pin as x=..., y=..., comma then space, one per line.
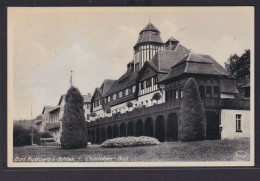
x=130, y=142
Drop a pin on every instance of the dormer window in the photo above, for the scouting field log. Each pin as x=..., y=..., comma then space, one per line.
x=108, y=99
x=134, y=87
x=126, y=92
x=120, y=94
x=114, y=97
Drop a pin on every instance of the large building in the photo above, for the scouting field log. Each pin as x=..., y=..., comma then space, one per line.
x=126, y=106
x=51, y=116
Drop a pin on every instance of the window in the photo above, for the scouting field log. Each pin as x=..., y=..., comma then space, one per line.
x=114, y=97
x=208, y=91
x=126, y=92
x=216, y=91
x=142, y=85
x=202, y=91
x=87, y=116
x=149, y=82
x=88, y=106
x=133, y=89
x=177, y=93
x=182, y=92
x=108, y=99
x=238, y=123
x=155, y=80
x=120, y=94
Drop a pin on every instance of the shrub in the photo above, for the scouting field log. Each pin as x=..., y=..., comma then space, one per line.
x=192, y=114
x=73, y=121
x=129, y=104
x=108, y=110
x=46, y=135
x=21, y=136
x=93, y=114
x=130, y=142
x=157, y=96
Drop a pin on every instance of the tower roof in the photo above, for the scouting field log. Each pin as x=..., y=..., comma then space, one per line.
x=149, y=34
x=150, y=27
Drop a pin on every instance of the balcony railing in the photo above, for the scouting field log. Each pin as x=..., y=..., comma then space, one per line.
x=49, y=126
x=214, y=103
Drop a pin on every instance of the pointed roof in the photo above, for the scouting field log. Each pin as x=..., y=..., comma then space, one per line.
x=172, y=39
x=150, y=27
x=149, y=34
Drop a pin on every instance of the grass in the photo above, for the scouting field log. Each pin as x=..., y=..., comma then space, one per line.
x=208, y=150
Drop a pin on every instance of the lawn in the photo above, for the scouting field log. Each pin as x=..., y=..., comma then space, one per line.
x=208, y=150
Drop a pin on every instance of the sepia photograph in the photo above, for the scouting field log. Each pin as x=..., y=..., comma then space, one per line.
x=130, y=86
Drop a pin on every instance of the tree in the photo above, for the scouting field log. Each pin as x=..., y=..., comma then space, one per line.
x=73, y=122
x=192, y=114
x=21, y=136
x=157, y=96
x=239, y=67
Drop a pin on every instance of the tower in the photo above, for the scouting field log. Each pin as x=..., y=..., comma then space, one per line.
x=149, y=42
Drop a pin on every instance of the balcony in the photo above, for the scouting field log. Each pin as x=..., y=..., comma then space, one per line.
x=49, y=126
x=209, y=103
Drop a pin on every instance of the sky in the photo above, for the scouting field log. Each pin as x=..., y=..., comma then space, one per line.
x=45, y=44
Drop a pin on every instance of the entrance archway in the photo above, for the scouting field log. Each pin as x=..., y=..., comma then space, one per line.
x=98, y=135
x=115, y=131
x=160, y=128
x=109, y=132
x=103, y=134
x=130, y=128
x=122, y=130
x=148, y=127
x=172, y=127
x=139, y=128
x=93, y=136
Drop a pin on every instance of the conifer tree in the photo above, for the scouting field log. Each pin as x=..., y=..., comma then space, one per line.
x=192, y=114
x=74, y=133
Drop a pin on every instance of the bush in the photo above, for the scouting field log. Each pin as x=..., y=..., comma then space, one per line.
x=46, y=135
x=21, y=136
x=93, y=114
x=108, y=110
x=130, y=142
x=192, y=114
x=157, y=96
x=73, y=121
x=129, y=104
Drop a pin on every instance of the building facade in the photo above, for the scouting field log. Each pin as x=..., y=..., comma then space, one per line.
x=127, y=106
x=52, y=116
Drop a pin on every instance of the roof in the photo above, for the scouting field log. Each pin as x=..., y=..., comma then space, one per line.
x=228, y=86
x=172, y=39
x=150, y=27
x=54, y=109
x=61, y=98
x=165, y=59
x=87, y=98
x=149, y=34
x=106, y=85
x=120, y=84
x=194, y=64
x=48, y=108
x=37, y=121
